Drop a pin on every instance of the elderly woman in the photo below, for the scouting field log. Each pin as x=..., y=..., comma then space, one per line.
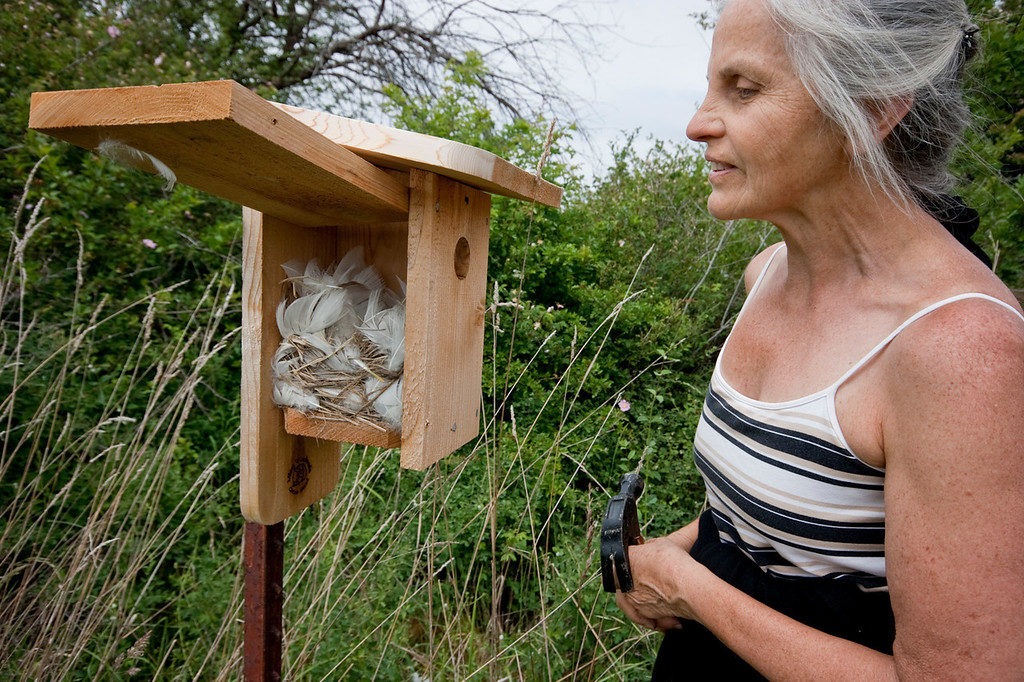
x=862, y=440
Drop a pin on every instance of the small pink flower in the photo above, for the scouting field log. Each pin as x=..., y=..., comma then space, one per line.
x=113, y=31
x=624, y=405
x=149, y=243
x=159, y=59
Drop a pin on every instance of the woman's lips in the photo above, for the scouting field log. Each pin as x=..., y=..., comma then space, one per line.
x=719, y=169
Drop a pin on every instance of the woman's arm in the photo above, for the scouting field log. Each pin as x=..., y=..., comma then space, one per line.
x=955, y=494
x=954, y=446
x=685, y=536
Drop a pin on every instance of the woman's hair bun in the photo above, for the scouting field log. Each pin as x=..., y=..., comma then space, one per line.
x=970, y=42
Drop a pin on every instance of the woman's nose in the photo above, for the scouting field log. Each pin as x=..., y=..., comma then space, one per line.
x=704, y=125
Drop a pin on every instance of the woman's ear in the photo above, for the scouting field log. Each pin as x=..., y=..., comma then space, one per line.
x=889, y=114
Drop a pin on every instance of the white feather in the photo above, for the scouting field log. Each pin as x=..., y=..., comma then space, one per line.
x=350, y=263
x=353, y=270
x=284, y=359
x=287, y=395
x=122, y=153
x=293, y=269
x=314, y=279
x=386, y=331
x=353, y=356
x=353, y=402
x=282, y=326
x=295, y=317
x=373, y=305
x=368, y=277
x=328, y=309
x=293, y=274
x=353, y=309
x=312, y=270
x=332, y=360
x=311, y=313
x=387, y=402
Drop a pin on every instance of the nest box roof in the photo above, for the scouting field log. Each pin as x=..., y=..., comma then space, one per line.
x=307, y=167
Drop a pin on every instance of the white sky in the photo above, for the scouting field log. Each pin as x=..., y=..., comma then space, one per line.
x=652, y=77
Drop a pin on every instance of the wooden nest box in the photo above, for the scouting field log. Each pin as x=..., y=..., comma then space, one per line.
x=314, y=186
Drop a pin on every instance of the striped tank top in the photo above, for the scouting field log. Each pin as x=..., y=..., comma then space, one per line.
x=782, y=483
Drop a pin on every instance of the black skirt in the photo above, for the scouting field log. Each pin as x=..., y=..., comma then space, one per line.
x=837, y=607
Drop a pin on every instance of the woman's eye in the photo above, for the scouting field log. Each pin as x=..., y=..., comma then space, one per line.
x=745, y=93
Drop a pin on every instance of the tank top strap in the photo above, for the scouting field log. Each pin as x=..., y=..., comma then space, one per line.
x=760, y=276
x=913, y=318
x=764, y=270
x=750, y=295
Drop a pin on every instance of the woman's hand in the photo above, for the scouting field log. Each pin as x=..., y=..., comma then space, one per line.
x=660, y=568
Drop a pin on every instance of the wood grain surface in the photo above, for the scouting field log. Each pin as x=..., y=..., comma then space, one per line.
x=401, y=149
x=444, y=324
x=281, y=474
x=299, y=424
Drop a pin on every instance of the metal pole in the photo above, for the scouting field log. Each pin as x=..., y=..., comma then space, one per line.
x=264, y=597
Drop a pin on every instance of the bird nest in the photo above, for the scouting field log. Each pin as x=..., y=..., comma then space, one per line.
x=343, y=344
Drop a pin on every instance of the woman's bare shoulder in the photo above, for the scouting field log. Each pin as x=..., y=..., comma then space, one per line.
x=975, y=343
x=952, y=428
x=964, y=325
x=949, y=276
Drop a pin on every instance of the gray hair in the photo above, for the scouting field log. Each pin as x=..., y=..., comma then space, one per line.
x=860, y=57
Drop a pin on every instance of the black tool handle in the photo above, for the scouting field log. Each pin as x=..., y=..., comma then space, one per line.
x=631, y=485
x=619, y=530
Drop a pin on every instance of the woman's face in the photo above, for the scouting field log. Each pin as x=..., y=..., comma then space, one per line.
x=770, y=149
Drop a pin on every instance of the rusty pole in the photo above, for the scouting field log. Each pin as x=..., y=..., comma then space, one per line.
x=264, y=597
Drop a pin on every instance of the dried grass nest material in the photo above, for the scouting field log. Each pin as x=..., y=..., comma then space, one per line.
x=343, y=344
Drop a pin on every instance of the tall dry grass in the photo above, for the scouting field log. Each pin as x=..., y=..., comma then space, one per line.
x=82, y=537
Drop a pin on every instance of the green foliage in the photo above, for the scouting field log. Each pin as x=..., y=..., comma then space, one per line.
x=459, y=112
x=992, y=163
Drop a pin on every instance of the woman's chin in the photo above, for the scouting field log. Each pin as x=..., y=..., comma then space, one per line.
x=722, y=210
x=727, y=208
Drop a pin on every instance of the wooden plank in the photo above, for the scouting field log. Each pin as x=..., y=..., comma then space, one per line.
x=401, y=149
x=444, y=329
x=221, y=138
x=298, y=424
x=281, y=474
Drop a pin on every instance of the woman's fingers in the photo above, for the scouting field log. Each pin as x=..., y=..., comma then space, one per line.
x=630, y=610
x=664, y=624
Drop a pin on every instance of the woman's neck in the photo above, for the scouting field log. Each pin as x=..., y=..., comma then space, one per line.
x=838, y=244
